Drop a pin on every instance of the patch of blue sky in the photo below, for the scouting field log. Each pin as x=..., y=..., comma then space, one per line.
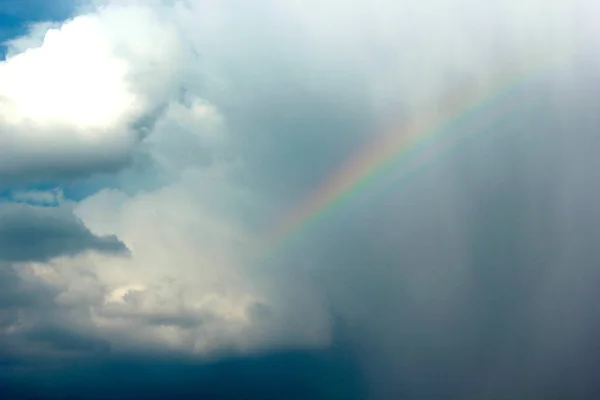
x=141, y=175
x=46, y=197
x=17, y=15
x=49, y=193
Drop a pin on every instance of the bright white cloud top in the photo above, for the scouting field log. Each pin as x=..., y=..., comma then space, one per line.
x=73, y=78
x=69, y=98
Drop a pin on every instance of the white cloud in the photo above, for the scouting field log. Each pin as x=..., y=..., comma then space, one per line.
x=71, y=79
x=190, y=284
x=68, y=102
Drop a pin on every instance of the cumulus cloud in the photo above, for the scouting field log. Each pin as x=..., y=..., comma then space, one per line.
x=210, y=296
x=31, y=237
x=71, y=95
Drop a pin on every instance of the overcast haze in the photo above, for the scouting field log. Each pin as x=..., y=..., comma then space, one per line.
x=149, y=149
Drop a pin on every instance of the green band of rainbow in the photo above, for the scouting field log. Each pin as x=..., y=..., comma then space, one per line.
x=398, y=143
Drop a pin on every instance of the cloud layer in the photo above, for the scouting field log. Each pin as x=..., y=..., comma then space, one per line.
x=199, y=125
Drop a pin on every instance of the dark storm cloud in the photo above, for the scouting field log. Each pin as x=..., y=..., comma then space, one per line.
x=477, y=278
x=62, y=339
x=29, y=233
x=35, y=329
x=287, y=375
x=15, y=293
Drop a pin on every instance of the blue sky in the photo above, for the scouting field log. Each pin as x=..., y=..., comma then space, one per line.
x=16, y=15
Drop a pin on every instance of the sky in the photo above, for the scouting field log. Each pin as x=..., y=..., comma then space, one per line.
x=392, y=199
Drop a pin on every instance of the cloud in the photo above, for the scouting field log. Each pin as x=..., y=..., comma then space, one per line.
x=479, y=269
x=32, y=324
x=72, y=95
x=210, y=297
x=29, y=233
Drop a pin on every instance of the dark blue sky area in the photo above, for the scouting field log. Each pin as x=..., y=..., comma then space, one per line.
x=15, y=15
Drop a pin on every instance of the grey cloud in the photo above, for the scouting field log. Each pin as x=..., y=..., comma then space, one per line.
x=16, y=293
x=285, y=102
x=74, y=159
x=32, y=326
x=476, y=278
x=66, y=340
x=30, y=233
x=18, y=167
x=183, y=321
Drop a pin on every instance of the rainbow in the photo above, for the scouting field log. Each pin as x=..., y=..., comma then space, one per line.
x=396, y=144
